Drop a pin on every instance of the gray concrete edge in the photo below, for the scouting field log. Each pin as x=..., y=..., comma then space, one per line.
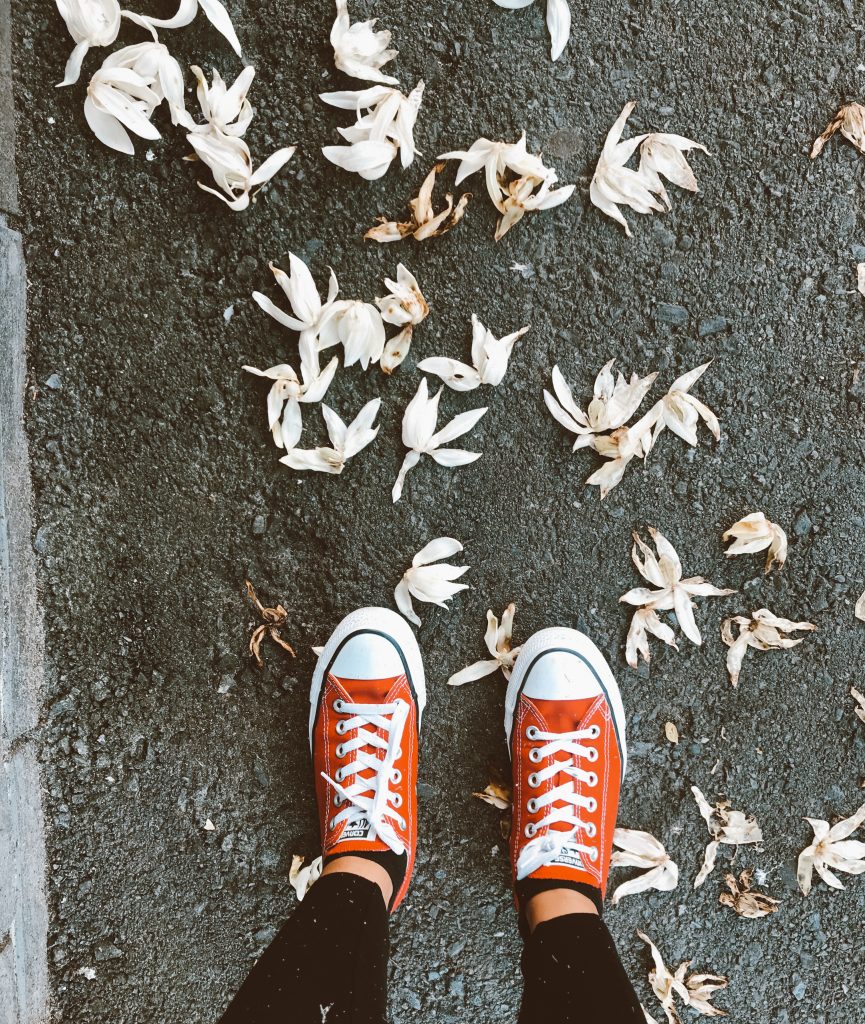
x=24, y=983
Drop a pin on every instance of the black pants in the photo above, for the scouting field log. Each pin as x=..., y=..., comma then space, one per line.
x=328, y=965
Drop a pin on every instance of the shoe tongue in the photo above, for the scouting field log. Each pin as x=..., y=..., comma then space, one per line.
x=563, y=715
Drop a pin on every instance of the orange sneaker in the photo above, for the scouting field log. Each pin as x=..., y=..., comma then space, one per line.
x=565, y=726
x=367, y=698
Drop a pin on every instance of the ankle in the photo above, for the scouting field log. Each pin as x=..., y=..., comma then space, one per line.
x=551, y=903
x=368, y=869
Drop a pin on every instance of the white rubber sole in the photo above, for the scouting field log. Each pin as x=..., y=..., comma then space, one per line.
x=384, y=622
x=562, y=638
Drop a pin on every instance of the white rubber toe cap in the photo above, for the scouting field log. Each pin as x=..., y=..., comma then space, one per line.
x=367, y=656
x=561, y=675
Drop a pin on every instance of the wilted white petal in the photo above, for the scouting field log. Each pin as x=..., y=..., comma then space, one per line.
x=755, y=533
x=642, y=850
x=559, y=24
x=213, y=9
x=90, y=23
x=355, y=325
x=301, y=878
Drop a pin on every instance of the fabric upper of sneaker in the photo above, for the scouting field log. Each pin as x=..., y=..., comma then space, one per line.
x=567, y=772
x=365, y=755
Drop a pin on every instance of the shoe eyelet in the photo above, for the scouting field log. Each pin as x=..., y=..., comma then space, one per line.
x=592, y=805
x=532, y=806
x=535, y=755
x=340, y=727
x=396, y=800
x=595, y=732
x=591, y=830
x=338, y=705
x=398, y=753
x=340, y=750
x=337, y=800
x=592, y=754
x=593, y=856
x=533, y=780
x=530, y=830
x=396, y=776
x=403, y=824
x=592, y=780
x=532, y=732
x=338, y=777
x=332, y=824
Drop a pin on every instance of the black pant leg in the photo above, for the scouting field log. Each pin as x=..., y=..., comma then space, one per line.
x=328, y=962
x=573, y=975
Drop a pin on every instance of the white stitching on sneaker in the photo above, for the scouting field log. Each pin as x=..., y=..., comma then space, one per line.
x=371, y=798
x=563, y=801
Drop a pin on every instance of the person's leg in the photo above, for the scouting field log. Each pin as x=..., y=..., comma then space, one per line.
x=329, y=962
x=566, y=733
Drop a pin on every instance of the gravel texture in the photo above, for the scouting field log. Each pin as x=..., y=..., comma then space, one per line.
x=158, y=491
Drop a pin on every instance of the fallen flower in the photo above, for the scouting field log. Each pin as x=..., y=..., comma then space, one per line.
x=374, y=139
x=744, y=900
x=754, y=533
x=274, y=620
x=498, y=640
x=226, y=110
x=420, y=436
x=642, y=850
x=214, y=11
x=859, y=610
x=731, y=828
x=300, y=877
x=496, y=795
x=696, y=990
x=558, y=21
x=525, y=195
x=663, y=571
x=763, y=631
x=850, y=121
x=424, y=223
x=355, y=325
x=346, y=441
x=680, y=411
x=289, y=391
x=614, y=402
x=661, y=155
x=832, y=851
x=90, y=23
x=126, y=90
x=404, y=306
x=614, y=184
x=860, y=700
x=517, y=181
x=230, y=162
x=358, y=49
x=431, y=583
x=300, y=290
x=490, y=357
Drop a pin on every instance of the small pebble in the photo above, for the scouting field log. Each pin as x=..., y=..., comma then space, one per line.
x=54, y=382
x=668, y=313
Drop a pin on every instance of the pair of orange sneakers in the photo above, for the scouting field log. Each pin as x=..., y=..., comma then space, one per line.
x=564, y=724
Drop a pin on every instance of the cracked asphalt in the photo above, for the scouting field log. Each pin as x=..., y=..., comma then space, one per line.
x=158, y=491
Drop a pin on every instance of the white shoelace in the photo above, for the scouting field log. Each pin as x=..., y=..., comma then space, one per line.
x=370, y=798
x=563, y=801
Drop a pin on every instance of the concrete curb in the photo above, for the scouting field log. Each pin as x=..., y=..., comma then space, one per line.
x=23, y=909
